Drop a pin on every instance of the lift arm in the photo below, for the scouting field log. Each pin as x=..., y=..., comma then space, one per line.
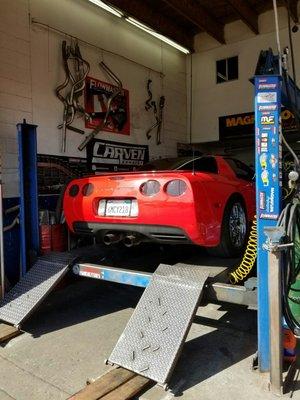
x=214, y=291
x=268, y=64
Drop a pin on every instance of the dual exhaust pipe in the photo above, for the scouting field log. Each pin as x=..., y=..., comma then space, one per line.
x=128, y=240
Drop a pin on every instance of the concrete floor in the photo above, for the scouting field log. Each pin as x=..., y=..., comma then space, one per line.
x=67, y=339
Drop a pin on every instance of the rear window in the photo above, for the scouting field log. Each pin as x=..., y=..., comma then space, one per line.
x=241, y=170
x=199, y=164
x=203, y=164
x=164, y=164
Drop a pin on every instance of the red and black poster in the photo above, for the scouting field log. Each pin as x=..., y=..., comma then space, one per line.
x=97, y=94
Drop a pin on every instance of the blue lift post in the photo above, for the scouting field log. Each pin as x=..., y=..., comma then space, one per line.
x=29, y=222
x=268, y=193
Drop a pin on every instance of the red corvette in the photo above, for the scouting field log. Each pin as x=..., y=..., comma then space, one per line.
x=207, y=200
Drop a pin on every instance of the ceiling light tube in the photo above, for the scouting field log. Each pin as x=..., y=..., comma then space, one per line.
x=159, y=36
x=108, y=8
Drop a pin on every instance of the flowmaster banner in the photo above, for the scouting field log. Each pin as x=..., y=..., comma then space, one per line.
x=104, y=155
x=268, y=192
x=97, y=94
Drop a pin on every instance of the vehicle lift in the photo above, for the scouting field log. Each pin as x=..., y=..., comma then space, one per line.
x=152, y=340
x=273, y=88
x=155, y=334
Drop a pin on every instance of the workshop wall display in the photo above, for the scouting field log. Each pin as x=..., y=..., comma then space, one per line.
x=242, y=125
x=54, y=172
x=97, y=94
x=104, y=155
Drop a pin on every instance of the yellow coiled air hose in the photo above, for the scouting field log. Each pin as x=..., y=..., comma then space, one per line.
x=249, y=257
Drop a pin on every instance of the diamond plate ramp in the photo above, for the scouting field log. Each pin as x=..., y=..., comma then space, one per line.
x=28, y=293
x=156, y=331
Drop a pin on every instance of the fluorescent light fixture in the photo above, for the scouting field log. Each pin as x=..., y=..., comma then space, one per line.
x=159, y=36
x=108, y=8
x=138, y=24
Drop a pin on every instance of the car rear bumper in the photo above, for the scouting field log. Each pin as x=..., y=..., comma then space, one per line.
x=156, y=233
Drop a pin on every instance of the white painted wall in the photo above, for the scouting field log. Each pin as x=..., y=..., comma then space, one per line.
x=31, y=68
x=28, y=89
x=211, y=100
x=15, y=85
x=95, y=26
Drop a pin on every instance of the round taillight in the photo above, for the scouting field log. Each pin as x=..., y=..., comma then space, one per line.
x=150, y=188
x=74, y=190
x=176, y=187
x=87, y=189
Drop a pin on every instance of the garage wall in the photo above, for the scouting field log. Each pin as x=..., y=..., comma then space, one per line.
x=82, y=19
x=211, y=100
x=15, y=85
x=31, y=68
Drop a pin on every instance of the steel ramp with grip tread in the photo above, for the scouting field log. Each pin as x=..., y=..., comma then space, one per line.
x=28, y=293
x=156, y=331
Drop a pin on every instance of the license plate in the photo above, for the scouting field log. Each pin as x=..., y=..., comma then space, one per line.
x=118, y=208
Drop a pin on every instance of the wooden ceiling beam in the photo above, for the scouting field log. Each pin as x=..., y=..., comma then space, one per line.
x=196, y=14
x=246, y=13
x=293, y=6
x=156, y=20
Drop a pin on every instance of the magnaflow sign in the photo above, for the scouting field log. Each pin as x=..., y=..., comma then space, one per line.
x=242, y=125
x=103, y=155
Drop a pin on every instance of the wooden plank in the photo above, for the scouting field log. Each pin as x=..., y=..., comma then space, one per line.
x=247, y=13
x=104, y=385
x=151, y=16
x=7, y=332
x=195, y=13
x=293, y=7
x=129, y=389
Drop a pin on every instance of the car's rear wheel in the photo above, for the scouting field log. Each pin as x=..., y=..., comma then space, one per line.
x=234, y=230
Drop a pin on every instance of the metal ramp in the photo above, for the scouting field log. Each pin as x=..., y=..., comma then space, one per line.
x=155, y=334
x=29, y=292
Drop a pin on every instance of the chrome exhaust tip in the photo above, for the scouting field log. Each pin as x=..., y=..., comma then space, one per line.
x=111, y=238
x=131, y=240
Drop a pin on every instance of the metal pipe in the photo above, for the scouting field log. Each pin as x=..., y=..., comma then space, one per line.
x=234, y=294
x=12, y=209
x=277, y=35
x=213, y=292
x=12, y=225
x=275, y=327
x=274, y=246
x=64, y=34
x=2, y=268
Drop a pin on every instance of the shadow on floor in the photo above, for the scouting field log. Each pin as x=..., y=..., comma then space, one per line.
x=292, y=380
x=87, y=299
x=233, y=340
x=79, y=302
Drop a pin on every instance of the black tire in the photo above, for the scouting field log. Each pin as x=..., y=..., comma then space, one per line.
x=233, y=241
